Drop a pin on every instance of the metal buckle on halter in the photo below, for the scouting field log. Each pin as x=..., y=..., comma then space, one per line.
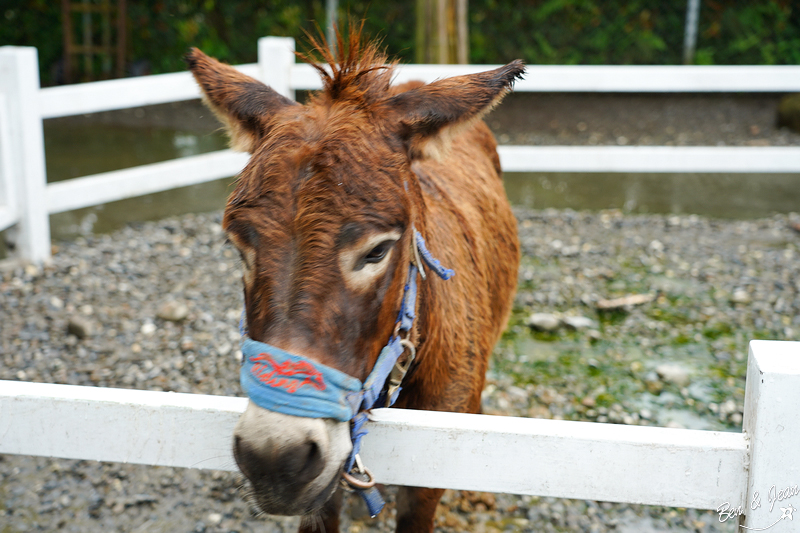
x=417, y=258
x=400, y=369
x=359, y=478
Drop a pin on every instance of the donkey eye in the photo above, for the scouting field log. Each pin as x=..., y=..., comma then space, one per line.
x=377, y=254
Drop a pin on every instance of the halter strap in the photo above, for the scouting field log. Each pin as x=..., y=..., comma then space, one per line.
x=295, y=385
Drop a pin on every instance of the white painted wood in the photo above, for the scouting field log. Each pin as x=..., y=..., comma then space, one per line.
x=660, y=79
x=275, y=60
x=8, y=191
x=8, y=217
x=19, y=82
x=145, y=179
x=607, y=78
x=635, y=464
x=648, y=465
x=118, y=425
x=277, y=67
x=97, y=96
x=772, y=424
x=660, y=159
x=305, y=78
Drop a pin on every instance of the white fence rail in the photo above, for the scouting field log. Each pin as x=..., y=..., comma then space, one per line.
x=27, y=200
x=606, y=462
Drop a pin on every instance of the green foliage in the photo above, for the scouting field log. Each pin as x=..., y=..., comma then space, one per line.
x=229, y=30
x=538, y=31
x=576, y=31
x=746, y=32
x=33, y=23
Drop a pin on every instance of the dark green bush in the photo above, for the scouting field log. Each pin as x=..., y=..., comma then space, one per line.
x=539, y=31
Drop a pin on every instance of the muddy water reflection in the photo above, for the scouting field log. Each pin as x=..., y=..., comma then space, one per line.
x=714, y=195
x=77, y=150
x=87, y=148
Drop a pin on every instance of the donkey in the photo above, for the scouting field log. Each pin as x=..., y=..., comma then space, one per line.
x=343, y=202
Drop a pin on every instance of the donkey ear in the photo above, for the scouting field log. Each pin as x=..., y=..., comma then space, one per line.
x=431, y=114
x=245, y=105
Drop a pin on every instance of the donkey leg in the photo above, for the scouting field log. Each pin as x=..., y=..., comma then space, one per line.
x=326, y=520
x=416, y=508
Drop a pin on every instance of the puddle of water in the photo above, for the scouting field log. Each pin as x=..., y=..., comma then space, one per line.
x=74, y=151
x=80, y=150
x=715, y=195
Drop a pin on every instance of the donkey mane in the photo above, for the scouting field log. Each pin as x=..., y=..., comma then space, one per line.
x=361, y=72
x=322, y=144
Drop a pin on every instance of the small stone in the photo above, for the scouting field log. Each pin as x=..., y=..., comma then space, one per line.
x=214, y=519
x=740, y=296
x=588, y=401
x=174, y=311
x=187, y=344
x=675, y=374
x=653, y=384
x=148, y=328
x=571, y=251
x=32, y=270
x=543, y=322
x=453, y=520
x=675, y=425
x=578, y=322
x=624, y=302
x=593, y=335
x=80, y=327
x=729, y=406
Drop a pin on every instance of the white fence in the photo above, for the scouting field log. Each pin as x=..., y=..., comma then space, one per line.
x=658, y=466
x=27, y=200
x=584, y=460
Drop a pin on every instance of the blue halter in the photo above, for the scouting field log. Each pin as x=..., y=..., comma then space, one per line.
x=294, y=385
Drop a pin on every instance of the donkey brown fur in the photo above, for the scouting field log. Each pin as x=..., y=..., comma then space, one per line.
x=362, y=157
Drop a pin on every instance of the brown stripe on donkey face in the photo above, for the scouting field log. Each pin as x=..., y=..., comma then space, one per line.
x=323, y=216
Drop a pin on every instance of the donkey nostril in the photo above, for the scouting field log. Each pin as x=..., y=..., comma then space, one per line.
x=305, y=462
x=297, y=465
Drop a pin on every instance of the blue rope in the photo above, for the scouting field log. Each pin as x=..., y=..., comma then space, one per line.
x=432, y=262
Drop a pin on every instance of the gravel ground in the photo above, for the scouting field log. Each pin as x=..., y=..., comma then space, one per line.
x=669, y=119
x=155, y=306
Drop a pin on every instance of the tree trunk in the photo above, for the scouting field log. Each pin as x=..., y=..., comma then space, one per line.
x=442, y=34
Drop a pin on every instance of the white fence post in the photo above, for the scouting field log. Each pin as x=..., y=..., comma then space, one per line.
x=19, y=81
x=8, y=193
x=275, y=59
x=772, y=424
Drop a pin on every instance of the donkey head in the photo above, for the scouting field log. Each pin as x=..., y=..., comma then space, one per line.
x=322, y=216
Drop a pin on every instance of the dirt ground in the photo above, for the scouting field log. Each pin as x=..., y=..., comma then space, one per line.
x=641, y=119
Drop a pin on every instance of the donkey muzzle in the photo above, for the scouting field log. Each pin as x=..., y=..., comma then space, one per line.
x=293, y=463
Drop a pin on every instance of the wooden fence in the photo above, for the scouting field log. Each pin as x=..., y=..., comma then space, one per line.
x=584, y=460
x=26, y=200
